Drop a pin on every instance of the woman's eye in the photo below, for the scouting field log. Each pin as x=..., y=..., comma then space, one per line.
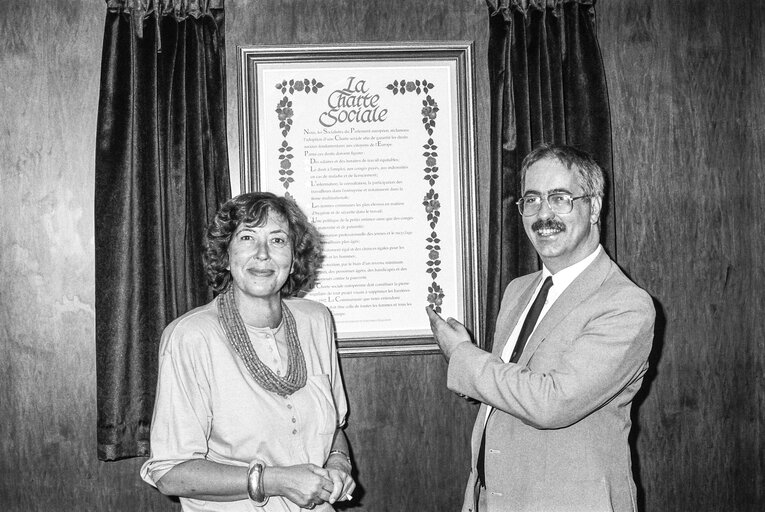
x=278, y=241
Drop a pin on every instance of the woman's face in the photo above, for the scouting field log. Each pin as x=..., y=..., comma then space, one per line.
x=260, y=257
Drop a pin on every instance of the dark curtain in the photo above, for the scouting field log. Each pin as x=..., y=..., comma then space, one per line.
x=547, y=85
x=161, y=172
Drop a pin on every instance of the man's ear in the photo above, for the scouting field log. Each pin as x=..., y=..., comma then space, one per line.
x=596, y=203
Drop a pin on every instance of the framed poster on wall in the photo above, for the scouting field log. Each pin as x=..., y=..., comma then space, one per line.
x=375, y=142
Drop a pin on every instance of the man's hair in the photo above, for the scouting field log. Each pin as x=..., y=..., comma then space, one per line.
x=589, y=174
x=252, y=209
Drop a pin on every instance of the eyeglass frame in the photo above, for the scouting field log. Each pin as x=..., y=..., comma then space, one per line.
x=546, y=198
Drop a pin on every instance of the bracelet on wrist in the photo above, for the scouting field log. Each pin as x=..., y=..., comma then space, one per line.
x=255, y=483
x=343, y=455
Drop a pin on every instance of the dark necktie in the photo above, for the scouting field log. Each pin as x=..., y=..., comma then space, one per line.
x=528, y=327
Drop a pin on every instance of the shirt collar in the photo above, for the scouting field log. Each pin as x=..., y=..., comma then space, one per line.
x=565, y=277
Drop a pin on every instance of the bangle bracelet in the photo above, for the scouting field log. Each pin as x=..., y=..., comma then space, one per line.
x=255, y=483
x=342, y=454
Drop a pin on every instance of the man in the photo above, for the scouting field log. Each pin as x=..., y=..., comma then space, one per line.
x=551, y=433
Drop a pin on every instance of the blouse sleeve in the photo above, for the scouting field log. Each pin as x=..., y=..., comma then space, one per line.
x=336, y=378
x=182, y=410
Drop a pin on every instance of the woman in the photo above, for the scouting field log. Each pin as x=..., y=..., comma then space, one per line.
x=250, y=401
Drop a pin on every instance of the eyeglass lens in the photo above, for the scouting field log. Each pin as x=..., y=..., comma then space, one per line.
x=559, y=203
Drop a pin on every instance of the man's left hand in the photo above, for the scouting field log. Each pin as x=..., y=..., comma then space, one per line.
x=448, y=333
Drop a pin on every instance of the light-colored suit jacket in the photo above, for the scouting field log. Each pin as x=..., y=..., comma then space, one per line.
x=558, y=439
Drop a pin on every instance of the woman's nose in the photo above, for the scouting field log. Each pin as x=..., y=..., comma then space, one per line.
x=261, y=252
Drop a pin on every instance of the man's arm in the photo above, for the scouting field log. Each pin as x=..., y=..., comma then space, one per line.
x=607, y=355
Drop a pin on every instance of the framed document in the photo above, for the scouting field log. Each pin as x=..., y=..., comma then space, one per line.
x=375, y=142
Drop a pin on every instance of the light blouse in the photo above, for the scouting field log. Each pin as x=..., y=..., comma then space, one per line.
x=209, y=407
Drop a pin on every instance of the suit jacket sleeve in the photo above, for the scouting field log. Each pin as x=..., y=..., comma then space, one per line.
x=596, y=350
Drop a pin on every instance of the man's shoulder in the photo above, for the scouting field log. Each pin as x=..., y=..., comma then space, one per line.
x=618, y=288
x=616, y=276
x=525, y=280
x=621, y=280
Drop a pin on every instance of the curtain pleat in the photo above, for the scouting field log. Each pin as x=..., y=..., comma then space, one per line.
x=547, y=84
x=161, y=172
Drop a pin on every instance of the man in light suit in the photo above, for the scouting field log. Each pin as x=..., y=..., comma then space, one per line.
x=551, y=433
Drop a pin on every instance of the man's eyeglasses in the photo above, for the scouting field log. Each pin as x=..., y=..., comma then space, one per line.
x=559, y=202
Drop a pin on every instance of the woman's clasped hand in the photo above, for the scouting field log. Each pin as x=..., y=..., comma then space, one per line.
x=308, y=485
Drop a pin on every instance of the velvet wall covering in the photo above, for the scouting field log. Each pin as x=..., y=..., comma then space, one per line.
x=161, y=172
x=547, y=85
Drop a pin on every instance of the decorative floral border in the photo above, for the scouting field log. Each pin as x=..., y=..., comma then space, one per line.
x=284, y=114
x=430, y=200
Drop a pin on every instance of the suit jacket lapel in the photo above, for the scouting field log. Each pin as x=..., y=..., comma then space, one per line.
x=510, y=315
x=582, y=287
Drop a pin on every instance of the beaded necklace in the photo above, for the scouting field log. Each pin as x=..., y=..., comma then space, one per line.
x=233, y=325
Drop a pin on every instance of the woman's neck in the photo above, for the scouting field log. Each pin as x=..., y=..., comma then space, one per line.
x=259, y=311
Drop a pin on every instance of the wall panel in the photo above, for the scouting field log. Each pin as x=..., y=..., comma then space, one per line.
x=686, y=86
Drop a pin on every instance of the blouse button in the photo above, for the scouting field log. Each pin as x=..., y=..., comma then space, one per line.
x=289, y=406
x=294, y=420
x=294, y=431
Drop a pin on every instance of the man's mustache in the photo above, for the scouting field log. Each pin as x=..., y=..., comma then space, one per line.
x=548, y=224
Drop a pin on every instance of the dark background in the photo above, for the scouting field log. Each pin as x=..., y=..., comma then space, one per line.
x=687, y=91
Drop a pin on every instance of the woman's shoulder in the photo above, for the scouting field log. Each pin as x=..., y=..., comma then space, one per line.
x=193, y=324
x=307, y=307
x=197, y=317
x=315, y=324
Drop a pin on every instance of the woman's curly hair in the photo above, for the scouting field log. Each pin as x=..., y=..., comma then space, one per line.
x=253, y=209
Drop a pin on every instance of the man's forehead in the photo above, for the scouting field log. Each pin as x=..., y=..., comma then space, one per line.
x=550, y=163
x=550, y=175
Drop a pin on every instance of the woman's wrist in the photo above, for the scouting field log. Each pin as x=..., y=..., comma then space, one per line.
x=339, y=457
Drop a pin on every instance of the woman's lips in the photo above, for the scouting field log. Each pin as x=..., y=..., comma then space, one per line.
x=260, y=272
